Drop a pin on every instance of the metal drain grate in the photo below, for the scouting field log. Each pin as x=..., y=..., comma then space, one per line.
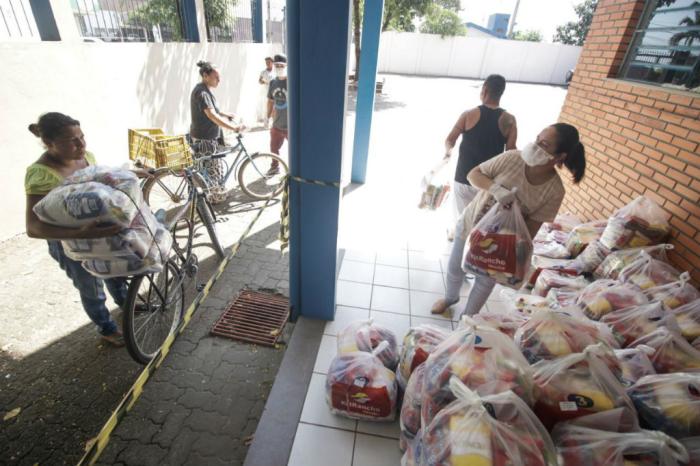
x=254, y=317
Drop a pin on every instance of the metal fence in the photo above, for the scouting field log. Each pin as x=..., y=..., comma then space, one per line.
x=17, y=21
x=129, y=20
x=275, y=18
x=229, y=20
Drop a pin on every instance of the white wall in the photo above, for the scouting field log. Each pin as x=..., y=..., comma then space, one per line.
x=475, y=57
x=109, y=87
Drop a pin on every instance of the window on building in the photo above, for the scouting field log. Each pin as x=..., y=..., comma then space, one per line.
x=666, y=46
x=129, y=20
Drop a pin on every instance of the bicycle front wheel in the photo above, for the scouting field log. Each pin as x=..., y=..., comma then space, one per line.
x=154, y=307
x=206, y=214
x=261, y=176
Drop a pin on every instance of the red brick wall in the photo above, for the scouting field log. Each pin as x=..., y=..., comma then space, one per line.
x=639, y=139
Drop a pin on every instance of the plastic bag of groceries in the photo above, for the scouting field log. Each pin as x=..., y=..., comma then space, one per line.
x=549, y=279
x=123, y=267
x=635, y=322
x=557, y=230
x=483, y=358
x=552, y=334
x=559, y=298
x=692, y=446
x=94, y=194
x=418, y=343
x=647, y=272
x=674, y=294
x=435, y=186
x=584, y=446
x=365, y=335
x=491, y=430
x=550, y=248
x=583, y=235
x=565, y=222
x=618, y=260
x=623, y=419
x=359, y=386
x=502, y=319
x=528, y=304
x=576, y=385
x=413, y=451
x=672, y=353
x=500, y=246
x=635, y=363
x=669, y=402
x=540, y=264
x=591, y=257
x=688, y=319
x=409, y=419
x=640, y=223
x=605, y=296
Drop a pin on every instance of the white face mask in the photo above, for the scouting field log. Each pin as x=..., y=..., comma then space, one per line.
x=281, y=72
x=534, y=155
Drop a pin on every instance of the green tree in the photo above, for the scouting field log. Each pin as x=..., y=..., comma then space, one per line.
x=440, y=20
x=167, y=13
x=529, y=35
x=692, y=34
x=400, y=14
x=574, y=32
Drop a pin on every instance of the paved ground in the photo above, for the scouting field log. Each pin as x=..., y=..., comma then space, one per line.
x=207, y=397
x=54, y=368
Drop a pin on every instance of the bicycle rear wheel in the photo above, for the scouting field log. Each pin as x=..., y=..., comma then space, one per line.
x=262, y=175
x=154, y=307
x=167, y=190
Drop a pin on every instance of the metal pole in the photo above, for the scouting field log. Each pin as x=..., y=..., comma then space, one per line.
x=509, y=35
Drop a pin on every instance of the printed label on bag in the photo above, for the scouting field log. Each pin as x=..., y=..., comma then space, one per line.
x=360, y=399
x=492, y=251
x=568, y=406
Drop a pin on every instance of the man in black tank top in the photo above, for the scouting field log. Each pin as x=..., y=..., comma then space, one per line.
x=486, y=130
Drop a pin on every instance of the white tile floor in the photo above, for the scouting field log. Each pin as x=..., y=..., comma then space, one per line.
x=396, y=288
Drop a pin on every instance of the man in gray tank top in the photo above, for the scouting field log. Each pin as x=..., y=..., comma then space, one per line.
x=486, y=130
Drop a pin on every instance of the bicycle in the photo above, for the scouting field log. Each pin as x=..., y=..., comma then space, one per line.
x=255, y=174
x=155, y=302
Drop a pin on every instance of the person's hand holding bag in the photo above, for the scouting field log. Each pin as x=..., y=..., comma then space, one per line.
x=504, y=196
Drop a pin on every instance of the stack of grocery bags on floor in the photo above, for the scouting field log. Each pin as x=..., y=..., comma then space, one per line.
x=594, y=361
x=107, y=196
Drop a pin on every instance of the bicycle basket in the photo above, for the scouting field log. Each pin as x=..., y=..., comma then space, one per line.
x=155, y=149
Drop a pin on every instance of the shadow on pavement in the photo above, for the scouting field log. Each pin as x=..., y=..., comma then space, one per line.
x=66, y=390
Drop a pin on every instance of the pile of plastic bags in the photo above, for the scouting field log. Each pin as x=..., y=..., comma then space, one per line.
x=598, y=365
x=108, y=196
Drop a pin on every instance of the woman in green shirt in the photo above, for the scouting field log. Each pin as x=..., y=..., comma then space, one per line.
x=65, y=154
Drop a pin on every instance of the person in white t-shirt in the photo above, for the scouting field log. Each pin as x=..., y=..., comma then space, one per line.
x=539, y=193
x=264, y=79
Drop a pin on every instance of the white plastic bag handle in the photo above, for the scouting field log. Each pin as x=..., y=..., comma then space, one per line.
x=380, y=347
x=463, y=393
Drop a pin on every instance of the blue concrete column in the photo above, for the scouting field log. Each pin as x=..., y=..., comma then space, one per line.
x=258, y=22
x=319, y=33
x=189, y=20
x=369, y=56
x=45, y=21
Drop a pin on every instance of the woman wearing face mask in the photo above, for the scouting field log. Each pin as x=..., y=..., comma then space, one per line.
x=65, y=154
x=205, y=130
x=532, y=174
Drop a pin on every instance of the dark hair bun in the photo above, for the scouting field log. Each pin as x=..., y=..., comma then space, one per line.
x=34, y=129
x=202, y=63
